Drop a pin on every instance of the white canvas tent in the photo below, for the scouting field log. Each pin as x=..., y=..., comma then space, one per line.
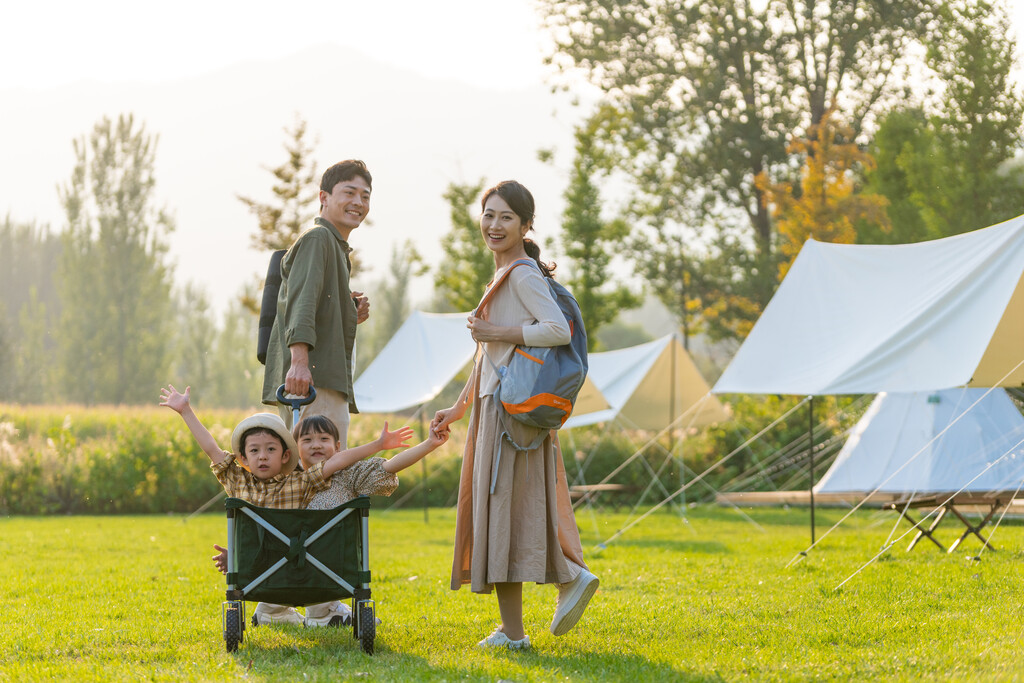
x=863, y=319
x=901, y=445
x=422, y=357
x=855, y=319
x=651, y=386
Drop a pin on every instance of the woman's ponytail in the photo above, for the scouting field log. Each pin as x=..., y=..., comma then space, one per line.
x=533, y=251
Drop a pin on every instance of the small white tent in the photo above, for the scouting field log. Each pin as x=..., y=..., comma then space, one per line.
x=422, y=357
x=901, y=445
x=651, y=386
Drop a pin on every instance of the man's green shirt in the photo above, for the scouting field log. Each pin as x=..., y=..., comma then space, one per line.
x=315, y=307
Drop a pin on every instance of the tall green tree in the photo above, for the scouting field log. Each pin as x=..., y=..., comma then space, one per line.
x=114, y=280
x=29, y=307
x=295, y=193
x=29, y=255
x=953, y=168
x=467, y=265
x=979, y=129
x=591, y=242
x=902, y=149
x=33, y=372
x=708, y=94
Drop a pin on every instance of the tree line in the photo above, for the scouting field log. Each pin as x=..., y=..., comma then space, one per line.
x=729, y=132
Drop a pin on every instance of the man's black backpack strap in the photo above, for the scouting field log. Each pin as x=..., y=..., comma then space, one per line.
x=268, y=307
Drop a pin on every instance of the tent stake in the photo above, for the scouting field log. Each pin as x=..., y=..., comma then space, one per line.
x=810, y=446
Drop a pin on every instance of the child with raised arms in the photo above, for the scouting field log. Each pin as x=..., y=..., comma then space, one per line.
x=318, y=440
x=260, y=468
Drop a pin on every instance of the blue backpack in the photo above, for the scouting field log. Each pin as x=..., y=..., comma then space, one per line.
x=540, y=384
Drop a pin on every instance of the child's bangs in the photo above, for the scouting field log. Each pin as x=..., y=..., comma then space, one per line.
x=316, y=423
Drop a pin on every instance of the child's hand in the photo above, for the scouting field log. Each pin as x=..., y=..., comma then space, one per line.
x=175, y=400
x=437, y=438
x=391, y=440
x=221, y=559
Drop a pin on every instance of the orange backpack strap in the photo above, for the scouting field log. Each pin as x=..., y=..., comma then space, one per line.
x=493, y=287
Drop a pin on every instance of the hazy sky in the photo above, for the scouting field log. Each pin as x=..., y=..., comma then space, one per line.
x=492, y=44
x=45, y=44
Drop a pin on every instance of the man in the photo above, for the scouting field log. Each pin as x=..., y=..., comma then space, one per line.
x=314, y=332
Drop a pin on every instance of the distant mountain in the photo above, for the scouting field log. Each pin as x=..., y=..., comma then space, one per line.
x=220, y=131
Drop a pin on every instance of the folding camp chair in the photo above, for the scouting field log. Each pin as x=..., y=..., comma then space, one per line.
x=298, y=557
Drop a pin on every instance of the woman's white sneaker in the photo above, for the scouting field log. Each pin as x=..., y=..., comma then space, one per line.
x=573, y=598
x=499, y=639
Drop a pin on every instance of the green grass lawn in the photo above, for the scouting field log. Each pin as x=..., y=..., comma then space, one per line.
x=707, y=598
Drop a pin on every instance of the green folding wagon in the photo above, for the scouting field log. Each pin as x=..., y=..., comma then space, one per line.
x=298, y=557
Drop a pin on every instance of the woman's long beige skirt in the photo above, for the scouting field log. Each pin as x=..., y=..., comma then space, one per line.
x=524, y=531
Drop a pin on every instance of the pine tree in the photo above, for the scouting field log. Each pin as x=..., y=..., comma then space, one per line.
x=295, y=191
x=467, y=265
x=589, y=241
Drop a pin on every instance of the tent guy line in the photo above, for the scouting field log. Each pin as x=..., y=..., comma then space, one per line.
x=694, y=409
x=656, y=480
x=803, y=554
x=699, y=477
x=928, y=516
x=1002, y=514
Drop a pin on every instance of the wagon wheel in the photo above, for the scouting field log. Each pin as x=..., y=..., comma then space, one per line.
x=367, y=629
x=232, y=626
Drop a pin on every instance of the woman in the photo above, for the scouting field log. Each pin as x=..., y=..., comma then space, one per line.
x=514, y=521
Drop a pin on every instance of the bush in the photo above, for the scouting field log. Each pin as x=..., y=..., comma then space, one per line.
x=74, y=460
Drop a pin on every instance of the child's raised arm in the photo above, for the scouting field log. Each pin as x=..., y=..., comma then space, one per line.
x=179, y=403
x=385, y=442
x=413, y=455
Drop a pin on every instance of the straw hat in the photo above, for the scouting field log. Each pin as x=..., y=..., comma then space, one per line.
x=276, y=425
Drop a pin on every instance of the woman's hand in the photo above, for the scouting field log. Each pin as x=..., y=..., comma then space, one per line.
x=445, y=417
x=482, y=330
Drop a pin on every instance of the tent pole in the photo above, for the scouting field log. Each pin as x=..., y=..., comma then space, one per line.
x=810, y=446
x=671, y=432
x=423, y=463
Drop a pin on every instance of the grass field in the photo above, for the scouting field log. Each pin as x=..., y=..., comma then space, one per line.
x=708, y=598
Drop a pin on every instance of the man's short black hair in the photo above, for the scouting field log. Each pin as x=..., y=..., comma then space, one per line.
x=344, y=170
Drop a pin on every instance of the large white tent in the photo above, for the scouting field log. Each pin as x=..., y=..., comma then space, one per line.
x=651, y=386
x=853, y=319
x=931, y=442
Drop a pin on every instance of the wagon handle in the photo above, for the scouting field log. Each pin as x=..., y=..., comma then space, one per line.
x=296, y=402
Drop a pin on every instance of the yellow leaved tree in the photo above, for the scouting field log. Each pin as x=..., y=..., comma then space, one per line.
x=827, y=206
